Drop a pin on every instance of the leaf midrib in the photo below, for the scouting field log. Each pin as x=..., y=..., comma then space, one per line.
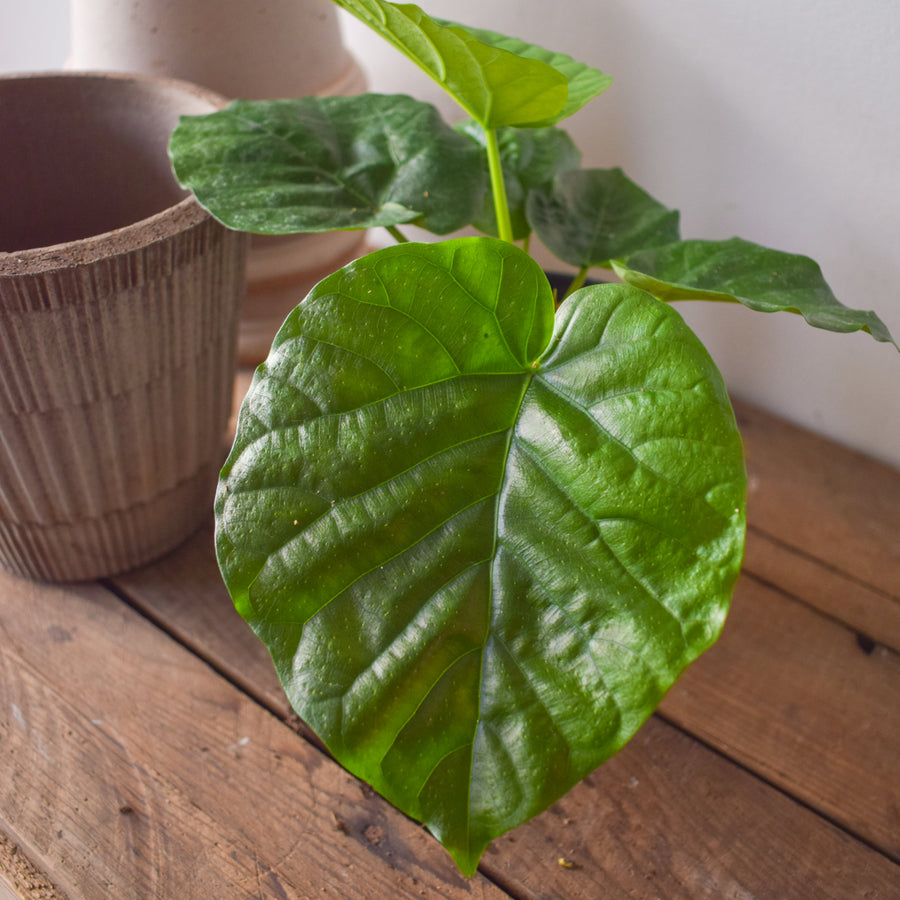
x=490, y=602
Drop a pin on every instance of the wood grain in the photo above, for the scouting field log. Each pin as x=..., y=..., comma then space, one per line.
x=793, y=696
x=131, y=769
x=867, y=610
x=668, y=818
x=185, y=594
x=824, y=500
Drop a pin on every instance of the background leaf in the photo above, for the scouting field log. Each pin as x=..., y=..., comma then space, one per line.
x=494, y=86
x=739, y=271
x=588, y=217
x=531, y=157
x=480, y=552
x=584, y=81
x=329, y=163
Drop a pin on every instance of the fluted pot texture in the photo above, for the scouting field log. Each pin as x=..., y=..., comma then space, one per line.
x=119, y=302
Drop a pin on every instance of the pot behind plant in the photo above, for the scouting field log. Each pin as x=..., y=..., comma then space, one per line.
x=270, y=48
x=119, y=302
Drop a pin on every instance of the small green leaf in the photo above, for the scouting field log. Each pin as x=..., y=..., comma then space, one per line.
x=739, y=271
x=494, y=86
x=479, y=545
x=531, y=158
x=591, y=216
x=329, y=163
x=584, y=81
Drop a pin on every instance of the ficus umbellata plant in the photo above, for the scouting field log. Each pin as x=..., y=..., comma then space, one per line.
x=481, y=528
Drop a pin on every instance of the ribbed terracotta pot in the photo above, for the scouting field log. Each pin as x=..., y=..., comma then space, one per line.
x=251, y=50
x=119, y=303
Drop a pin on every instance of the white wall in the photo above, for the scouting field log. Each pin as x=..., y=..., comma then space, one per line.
x=34, y=35
x=775, y=120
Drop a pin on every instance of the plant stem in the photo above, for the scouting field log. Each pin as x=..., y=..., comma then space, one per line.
x=396, y=234
x=577, y=281
x=498, y=188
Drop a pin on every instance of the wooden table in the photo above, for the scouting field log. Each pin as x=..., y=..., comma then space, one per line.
x=146, y=749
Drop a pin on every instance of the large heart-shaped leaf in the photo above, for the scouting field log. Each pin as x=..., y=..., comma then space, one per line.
x=496, y=87
x=329, y=163
x=584, y=81
x=480, y=545
x=742, y=272
x=530, y=159
x=588, y=217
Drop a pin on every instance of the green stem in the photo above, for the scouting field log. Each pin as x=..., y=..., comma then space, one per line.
x=498, y=188
x=577, y=281
x=396, y=234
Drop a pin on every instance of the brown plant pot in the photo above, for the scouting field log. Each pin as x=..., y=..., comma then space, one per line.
x=119, y=303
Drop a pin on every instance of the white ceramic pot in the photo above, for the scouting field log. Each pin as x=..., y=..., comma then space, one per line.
x=119, y=303
x=240, y=48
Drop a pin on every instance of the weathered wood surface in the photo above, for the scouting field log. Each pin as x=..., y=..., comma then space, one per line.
x=830, y=522
x=146, y=748
x=131, y=769
x=792, y=696
x=667, y=818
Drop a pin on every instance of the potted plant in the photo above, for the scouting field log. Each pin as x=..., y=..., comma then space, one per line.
x=481, y=527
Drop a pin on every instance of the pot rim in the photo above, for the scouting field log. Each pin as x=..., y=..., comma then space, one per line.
x=172, y=220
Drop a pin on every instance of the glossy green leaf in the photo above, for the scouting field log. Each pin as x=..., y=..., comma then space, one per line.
x=329, y=163
x=494, y=86
x=588, y=217
x=530, y=158
x=584, y=81
x=739, y=271
x=479, y=543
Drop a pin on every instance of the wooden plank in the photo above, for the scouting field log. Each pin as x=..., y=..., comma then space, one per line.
x=868, y=611
x=185, y=594
x=680, y=819
x=128, y=768
x=824, y=500
x=796, y=698
x=668, y=818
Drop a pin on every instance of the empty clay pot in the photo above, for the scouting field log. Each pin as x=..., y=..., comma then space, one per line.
x=119, y=303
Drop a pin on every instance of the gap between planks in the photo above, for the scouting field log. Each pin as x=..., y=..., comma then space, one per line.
x=870, y=612
x=823, y=500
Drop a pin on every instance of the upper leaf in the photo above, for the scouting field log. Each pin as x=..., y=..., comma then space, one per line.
x=479, y=552
x=591, y=216
x=329, y=163
x=494, y=86
x=584, y=81
x=739, y=271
